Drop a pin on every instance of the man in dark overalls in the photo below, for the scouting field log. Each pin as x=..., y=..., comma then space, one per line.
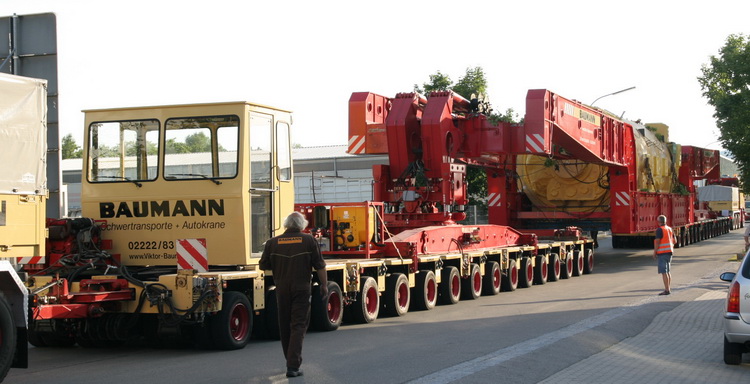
x=291, y=256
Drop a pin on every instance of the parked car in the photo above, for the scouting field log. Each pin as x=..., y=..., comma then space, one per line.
x=737, y=316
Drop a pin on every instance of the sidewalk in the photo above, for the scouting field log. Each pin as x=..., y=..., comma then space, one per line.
x=683, y=345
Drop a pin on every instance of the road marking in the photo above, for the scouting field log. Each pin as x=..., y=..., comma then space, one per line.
x=500, y=356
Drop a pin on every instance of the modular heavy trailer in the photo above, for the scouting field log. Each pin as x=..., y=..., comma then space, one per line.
x=177, y=203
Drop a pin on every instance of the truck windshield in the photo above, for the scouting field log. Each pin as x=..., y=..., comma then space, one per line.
x=123, y=151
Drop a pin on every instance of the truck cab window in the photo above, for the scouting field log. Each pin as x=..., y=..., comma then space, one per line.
x=123, y=151
x=201, y=147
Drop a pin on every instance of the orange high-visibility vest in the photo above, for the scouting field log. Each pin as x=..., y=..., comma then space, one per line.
x=666, y=243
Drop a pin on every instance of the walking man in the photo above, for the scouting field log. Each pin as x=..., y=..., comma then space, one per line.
x=291, y=257
x=663, y=249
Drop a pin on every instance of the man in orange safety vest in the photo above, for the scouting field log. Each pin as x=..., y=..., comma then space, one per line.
x=664, y=241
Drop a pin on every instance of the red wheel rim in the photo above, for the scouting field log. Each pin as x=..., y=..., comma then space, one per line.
x=455, y=288
x=496, y=276
x=431, y=291
x=569, y=265
x=557, y=267
x=529, y=271
x=402, y=295
x=334, y=307
x=580, y=263
x=591, y=261
x=513, y=274
x=239, y=322
x=544, y=269
x=371, y=300
x=477, y=283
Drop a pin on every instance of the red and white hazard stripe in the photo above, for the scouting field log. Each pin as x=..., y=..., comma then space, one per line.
x=494, y=200
x=534, y=143
x=30, y=260
x=356, y=145
x=622, y=199
x=192, y=254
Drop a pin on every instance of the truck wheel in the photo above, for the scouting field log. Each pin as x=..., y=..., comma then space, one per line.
x=510, y=282
x=553, y=270
x=397, y=295
x=231, y=327
x=471, y=287
x=577, y=264
x=425, y=291
x=327, y=312
x=492, y=279
x=271, y=316
x=367, y=306
x=732, y=352
x=7, y=337
x=541, y=270
x=566, y=268
x=450, y=286
x=526, y=273
x=588, y=265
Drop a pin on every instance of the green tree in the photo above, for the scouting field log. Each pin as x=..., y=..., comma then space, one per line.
x=725, y=82
x=438, y=82
x=70, y=150
x=472, y=83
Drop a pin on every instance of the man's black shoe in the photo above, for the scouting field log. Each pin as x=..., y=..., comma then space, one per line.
x=293, y=372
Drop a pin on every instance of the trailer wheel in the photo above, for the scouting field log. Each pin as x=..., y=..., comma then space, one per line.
x=577, y=263
x=7, y=337
x=425, y=291
x=492, y=279
x=231, y=327
x=367, y=306
x=553, y=271
x=271, y=316
x=471, y=287
x=541, y=270
x=588, y=266
x=566, y=268
x=526, y=273
x=397, y=295
x=450, y=286
x=327, y=312
x=510, y=282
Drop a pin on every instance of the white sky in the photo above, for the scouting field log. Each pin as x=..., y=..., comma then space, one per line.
x=309, y=56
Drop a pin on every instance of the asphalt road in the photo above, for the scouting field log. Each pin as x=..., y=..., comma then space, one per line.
x=515, y=337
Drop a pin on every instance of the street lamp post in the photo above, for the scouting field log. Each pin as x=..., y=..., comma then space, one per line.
x=610, y=94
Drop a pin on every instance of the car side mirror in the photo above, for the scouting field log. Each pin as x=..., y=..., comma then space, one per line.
x=727, y=276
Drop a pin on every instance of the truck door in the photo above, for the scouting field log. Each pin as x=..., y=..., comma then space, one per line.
x=262, y=221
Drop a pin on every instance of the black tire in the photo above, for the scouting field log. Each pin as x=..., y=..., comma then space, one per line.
x=588, y=262
x=525, y=273
x=541, y=270
x=510, y=282
x=566, y=268
x=424, y=294
x=578, y=263
x=367, y=306
x=450, y=286
x=492, y=279
x=231, y=327
x=7, y=337
x=327, y=312
x=271, y=316
x=471, y=287
x=397, y=295
x=554, y=269
x=732, y=352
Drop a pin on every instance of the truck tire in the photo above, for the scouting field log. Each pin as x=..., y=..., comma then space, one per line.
x=577, y=263
x=526, y=273
x=424, y=294
x=510, y=282
x=588, y=265
x=271, y=316
x=397, y=295
x=492, y=279
x=566, y=268
x=541, y=270
x=553, y=270
x=327, y=312
x=450, y=286
x=231, y=327
x=471, y=287
x=367, y=306
x=732, y=352
x=7, y=337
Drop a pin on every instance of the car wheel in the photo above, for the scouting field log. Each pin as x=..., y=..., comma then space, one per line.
x=732, y=352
